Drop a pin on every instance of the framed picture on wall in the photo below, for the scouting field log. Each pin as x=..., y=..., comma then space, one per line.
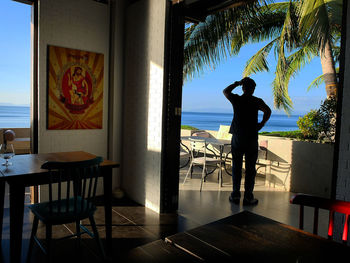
x=75, y=89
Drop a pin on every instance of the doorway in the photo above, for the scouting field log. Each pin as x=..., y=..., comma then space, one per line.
x=297, y=147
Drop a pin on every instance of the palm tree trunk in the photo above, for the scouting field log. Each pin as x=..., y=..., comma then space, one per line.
x=328, y=70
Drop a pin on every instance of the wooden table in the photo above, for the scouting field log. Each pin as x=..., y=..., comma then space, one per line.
x=25, y=172
x=247, y=237
x=158, y=251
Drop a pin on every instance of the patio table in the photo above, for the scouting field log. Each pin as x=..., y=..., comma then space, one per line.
x=26, y=171
x=213, y=141
x=221, y=143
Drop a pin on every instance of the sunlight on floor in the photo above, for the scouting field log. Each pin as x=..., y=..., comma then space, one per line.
x=212, y=183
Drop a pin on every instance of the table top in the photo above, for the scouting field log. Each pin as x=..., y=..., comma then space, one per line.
x=30, y=164
x=247, y=237
x=221, y=142
x=211, y=140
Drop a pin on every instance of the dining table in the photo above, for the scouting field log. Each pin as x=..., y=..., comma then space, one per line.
x=249, y=237
x=26, y=171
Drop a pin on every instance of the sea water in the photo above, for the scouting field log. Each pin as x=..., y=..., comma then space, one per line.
x=212, y=121
x=19, y=117
x=14, y=116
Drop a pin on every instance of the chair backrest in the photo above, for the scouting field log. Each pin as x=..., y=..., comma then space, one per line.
x=76, y=185
x=223, y=133
x=184, y=150
x=199, y=146
x=333, y=206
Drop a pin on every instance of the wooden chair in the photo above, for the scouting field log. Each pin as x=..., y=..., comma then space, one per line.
x=72, y=191
x=323, y=203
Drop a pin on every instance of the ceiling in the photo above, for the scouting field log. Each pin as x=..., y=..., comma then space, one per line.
x=197, y=10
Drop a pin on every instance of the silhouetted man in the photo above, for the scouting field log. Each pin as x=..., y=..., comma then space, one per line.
x=244, y=129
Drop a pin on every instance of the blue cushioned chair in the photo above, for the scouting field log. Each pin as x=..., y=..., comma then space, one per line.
x=69, y=202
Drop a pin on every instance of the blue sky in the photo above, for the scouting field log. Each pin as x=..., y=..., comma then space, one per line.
x=15, y=37
x=204, y=93
x=201, y=94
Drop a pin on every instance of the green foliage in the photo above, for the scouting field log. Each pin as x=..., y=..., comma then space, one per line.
x=188, y=127
x=285, y=134
x=320, y=125
x=308, y=125
x=327, y=120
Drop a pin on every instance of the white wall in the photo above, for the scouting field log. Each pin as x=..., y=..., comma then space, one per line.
x=78, y=24
x=143, y=101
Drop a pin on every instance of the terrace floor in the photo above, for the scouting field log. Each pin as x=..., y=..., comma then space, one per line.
x=135, y=225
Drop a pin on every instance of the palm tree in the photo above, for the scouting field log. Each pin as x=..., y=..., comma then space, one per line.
x=297, y=31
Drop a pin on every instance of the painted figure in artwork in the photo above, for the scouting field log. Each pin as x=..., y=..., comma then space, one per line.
x=75, y=89
x=79, y=87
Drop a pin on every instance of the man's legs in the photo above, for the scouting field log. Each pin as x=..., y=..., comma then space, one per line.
x=237, y=159
x=251, y=155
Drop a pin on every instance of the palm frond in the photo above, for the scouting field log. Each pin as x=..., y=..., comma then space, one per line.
x=258, y=62
x=280, y=93
x=316, y=19
x=297, y=61
x=223, y=34
x=316, y=82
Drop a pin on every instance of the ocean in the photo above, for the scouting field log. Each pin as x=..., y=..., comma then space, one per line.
x=19, y=117
x=212, y=121
x=14, y=117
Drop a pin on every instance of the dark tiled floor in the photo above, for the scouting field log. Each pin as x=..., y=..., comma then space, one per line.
x=135, y=225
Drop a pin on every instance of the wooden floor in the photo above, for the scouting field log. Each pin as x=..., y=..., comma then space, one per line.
x=135, y=225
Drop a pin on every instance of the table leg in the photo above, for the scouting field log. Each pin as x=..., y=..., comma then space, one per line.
x=107, y=187
x=16, y=221
x=2, y=198
x=221, y=151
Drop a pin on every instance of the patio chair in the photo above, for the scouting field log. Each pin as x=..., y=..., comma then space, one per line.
x=185, y=155
x=199, y=157
x=327, y=204
x=72, y=191
x=260, y=162
x=279, y=173
x=224, y=133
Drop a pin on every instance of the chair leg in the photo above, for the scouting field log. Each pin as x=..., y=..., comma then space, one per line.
x=2, y=198
x=77, y=228
x=49, y=242
x=32, y=235
x=220, y=175
x=203, y=177
x=188, y=173
x=97, y=238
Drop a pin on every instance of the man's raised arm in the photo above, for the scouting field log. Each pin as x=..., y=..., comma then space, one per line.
x=227, y=91
x=267, y=113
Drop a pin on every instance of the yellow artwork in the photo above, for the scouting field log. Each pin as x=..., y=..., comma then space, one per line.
x=75, y=89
